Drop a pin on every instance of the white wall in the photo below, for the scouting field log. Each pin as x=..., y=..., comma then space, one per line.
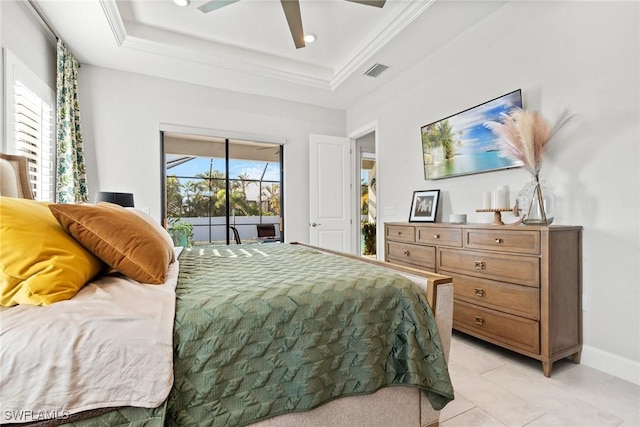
x=28, y=40
x=122, y=113
x=25, y=37
x=579, y=54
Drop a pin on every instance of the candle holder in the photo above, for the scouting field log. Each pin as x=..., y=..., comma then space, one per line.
x=497, y=214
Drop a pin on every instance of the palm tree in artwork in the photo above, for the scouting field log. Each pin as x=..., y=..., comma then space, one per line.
x=441, y=135
x=429, y=142
x=448, y=140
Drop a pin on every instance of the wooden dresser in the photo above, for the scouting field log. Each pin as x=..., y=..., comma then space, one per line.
x=518, y=287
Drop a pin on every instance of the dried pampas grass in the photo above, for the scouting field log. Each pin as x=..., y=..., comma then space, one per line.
x=523, y=135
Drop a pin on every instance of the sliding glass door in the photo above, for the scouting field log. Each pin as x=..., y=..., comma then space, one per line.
x=223, y=190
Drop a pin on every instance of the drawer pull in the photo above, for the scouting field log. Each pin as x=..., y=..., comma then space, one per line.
x=479, y=320
x=407, y=253
x=479, y=265
x=498, y=240
x=436, y=236
x=479, y=292
x=399, y=233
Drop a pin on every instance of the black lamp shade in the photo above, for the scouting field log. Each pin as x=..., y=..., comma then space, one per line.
x=122, y=199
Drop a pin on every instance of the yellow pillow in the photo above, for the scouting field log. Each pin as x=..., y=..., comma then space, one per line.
x=119, y=237
x=39, y=262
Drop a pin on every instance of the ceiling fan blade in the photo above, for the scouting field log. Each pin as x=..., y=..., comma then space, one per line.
x=374, y=3
x=215, y=4
x=294, y=19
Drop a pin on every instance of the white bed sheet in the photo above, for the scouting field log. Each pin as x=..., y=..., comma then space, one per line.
x=111, y=345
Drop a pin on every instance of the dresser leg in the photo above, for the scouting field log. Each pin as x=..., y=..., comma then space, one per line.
x=575, y=357
x=546, y=367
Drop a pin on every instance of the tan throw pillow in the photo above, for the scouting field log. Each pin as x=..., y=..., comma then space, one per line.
x=119, y=237
x=158, y=227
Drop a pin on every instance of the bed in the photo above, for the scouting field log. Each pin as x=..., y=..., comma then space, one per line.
x=266, y=335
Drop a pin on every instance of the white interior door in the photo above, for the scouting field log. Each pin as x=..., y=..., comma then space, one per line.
x=330, y=192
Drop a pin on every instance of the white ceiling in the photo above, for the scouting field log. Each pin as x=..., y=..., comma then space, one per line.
x=247, y=47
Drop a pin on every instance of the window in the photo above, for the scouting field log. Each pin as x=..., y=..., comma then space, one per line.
x=218, y=184
x=30, y=122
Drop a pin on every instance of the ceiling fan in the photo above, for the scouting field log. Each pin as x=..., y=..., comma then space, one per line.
x=291, y=11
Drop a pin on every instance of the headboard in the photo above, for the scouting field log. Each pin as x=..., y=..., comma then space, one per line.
x=14, y=178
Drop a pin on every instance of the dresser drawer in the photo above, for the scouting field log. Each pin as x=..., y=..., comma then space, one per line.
x=401, y=233
x=421, y=256
x=402, y=262
x=514, y=299
x=520, y=269
x=439, y=236
x=521, y=241
x=501, y=328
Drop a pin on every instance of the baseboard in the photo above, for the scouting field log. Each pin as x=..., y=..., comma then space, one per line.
x=610, y=363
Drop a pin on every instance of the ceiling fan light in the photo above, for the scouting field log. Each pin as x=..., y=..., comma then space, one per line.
x=310, y=38
x=182, y=3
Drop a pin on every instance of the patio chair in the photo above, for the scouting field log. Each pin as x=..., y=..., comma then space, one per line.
x=266, y=233
x=236, y=235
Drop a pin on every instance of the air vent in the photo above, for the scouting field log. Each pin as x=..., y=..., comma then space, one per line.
x=376, y=70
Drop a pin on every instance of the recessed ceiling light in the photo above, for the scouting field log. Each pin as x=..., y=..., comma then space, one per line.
x=310, y=38
x=182, y=3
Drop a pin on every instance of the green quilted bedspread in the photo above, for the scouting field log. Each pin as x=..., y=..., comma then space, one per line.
x=266, y=329
x=122, y=417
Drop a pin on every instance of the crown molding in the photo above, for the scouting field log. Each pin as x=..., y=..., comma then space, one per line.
x=408, y=15
x=111, y=12
x=36, y=11
x=141, y=38
x=146, y=45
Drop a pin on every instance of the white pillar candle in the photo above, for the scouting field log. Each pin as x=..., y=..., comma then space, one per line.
x=505, y=189
x=486, y=200
x=499, y=199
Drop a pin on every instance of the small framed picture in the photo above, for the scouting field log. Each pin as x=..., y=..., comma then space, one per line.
x=424, y=206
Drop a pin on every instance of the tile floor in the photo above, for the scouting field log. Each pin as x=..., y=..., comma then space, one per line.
x=496, y=387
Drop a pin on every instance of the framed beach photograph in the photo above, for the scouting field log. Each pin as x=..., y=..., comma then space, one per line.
x=424, y=206
x=461, y=144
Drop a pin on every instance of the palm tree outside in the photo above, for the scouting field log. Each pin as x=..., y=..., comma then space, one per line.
x=204, y=195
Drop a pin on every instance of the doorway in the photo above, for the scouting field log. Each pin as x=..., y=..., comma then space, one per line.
x=368, y=212
x=222, y=190
x=335, y=207
x=367, y=197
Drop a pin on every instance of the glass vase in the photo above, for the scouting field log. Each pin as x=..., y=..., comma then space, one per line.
x=537, y=202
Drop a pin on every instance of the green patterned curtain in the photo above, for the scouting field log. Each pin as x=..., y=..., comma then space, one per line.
x=71, y=183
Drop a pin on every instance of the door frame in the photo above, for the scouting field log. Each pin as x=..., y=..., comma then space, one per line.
x=371, y=127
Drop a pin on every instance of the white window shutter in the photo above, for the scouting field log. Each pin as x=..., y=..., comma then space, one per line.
x=30, y=125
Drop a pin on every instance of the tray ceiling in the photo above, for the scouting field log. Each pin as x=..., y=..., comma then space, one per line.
x=247, y=47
